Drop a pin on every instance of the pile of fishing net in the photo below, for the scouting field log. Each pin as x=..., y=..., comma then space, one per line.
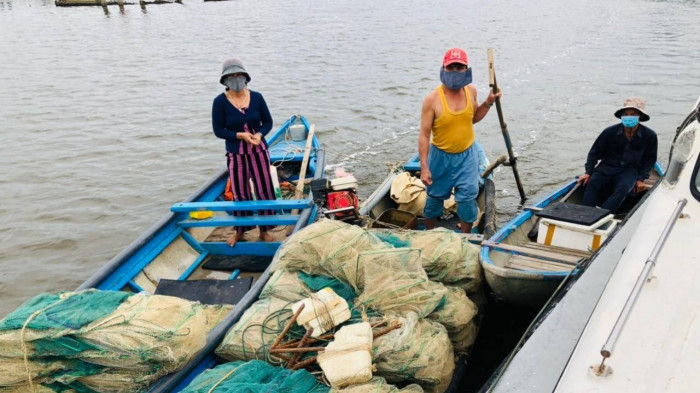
x=378, y=385
x=444, y=255
x=406, y=269
x=331, y=247
x=382, y=274
x=254, y=376
x=99, y=341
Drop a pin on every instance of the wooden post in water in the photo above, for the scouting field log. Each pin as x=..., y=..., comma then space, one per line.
x=504, y=127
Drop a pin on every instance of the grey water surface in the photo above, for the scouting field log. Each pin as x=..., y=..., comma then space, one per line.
x=105, y=115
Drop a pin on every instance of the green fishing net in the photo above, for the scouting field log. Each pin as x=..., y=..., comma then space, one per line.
x=63, y=311
x=100, y=341
x=316, y=283
x=419, y=351
x=253, y=334
x=328, y=248
x=294, y=286
x=445, y=256
x=458, y=316
x=378, y=385
x=396, y=275
x=253, y=377
x=395, y=282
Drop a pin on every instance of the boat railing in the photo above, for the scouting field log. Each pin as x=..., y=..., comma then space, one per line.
x=609, y=345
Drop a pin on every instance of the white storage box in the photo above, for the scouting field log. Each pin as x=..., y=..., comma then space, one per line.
x=297, y=132
x=579, y=237
x=347, y=360
x=344, y=183
x=322, y=311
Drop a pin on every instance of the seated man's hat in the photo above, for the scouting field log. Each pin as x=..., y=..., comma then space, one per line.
x=634, y=103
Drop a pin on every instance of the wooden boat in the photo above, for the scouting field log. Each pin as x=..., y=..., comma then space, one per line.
x=630, y=321
x=525, y=267
x=176, y=256
x=380, y=200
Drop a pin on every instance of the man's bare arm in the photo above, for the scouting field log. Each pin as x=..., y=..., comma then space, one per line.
x=426, y=124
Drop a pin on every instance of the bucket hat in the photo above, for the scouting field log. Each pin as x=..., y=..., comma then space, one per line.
x=634, y=103
x=233, y=66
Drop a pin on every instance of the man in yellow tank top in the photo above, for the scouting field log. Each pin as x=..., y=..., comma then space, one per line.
x=451, y=161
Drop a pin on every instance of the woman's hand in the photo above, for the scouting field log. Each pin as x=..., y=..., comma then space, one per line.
x=248, y=138
x=257, y=138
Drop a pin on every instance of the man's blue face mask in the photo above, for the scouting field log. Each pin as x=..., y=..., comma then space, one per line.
x=455, y=80
x=629, y=121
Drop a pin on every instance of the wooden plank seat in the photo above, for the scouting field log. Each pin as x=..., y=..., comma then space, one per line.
x=522, y=262
x=542, y=252
x=557, y=249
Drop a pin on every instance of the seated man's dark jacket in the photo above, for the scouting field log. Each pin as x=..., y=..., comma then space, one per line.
x=614, y=150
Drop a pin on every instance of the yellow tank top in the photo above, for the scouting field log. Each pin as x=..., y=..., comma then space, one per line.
x=453, y=132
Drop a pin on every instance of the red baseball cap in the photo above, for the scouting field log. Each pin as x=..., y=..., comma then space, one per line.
x=455, y=55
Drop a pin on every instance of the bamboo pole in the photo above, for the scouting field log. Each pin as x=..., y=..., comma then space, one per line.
x=504, y=127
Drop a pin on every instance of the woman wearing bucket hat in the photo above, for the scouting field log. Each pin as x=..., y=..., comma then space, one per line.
x=241, y=117
x=627, y=152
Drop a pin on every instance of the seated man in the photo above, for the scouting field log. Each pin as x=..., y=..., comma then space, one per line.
x=627, y=152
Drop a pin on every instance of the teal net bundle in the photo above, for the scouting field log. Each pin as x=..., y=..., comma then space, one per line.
x=253, y=377
x=99, y=341
x=392, y=276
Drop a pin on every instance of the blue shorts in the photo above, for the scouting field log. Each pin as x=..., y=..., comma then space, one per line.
x=459, y=171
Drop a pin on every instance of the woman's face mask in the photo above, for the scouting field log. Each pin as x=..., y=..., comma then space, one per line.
x=629, y=121
x=455, y=80
x=235, y=83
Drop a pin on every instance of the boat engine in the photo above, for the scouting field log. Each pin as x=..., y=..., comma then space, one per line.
x=344, y=202
x=337, y=198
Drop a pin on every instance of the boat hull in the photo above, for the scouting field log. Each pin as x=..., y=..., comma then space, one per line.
x=159, y=245
x=532, y=287
x=521, y=288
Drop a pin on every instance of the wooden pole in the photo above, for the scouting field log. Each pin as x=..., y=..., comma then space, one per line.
x=299, y=193
x=504, y=127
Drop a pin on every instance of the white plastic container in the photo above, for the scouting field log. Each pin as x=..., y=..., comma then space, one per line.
x=344, y=183
x=322, y=311
x=297, y=132
x=347, y=360
x=275, y=182
x=579, y=237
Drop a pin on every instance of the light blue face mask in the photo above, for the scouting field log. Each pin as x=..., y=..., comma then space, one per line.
x=455, y=80
x=630, y=121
